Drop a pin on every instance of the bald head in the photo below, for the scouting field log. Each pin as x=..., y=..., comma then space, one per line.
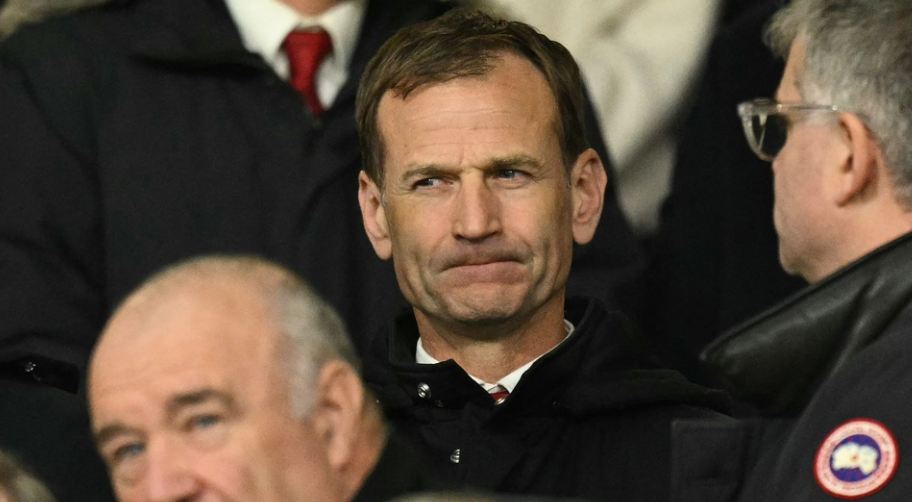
x=273, y=306
x=230, y=375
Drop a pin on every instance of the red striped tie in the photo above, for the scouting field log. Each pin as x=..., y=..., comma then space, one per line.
x=306, y=50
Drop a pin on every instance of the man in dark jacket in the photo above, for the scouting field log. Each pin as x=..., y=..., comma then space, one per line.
x=833, y=361
x=478, y=181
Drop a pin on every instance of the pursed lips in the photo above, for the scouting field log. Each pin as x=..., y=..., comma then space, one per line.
x=484, y=267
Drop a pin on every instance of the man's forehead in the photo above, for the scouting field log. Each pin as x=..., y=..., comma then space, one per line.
x=194, y=313
x=514, y=94
x=209, y=332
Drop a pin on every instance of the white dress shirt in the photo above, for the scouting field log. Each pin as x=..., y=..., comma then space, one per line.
x=264, y=24
x=508, y=382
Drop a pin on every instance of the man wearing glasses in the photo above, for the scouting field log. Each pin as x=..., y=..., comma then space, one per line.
x=834, y=359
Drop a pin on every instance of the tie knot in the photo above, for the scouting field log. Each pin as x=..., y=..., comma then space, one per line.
x=498, y=393
x=306, y=49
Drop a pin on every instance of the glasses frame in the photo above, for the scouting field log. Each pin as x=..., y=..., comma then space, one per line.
x=764, y=107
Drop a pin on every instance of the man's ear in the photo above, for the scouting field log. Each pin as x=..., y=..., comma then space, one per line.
x=338, y=412
x=587, y=185
x=860, y=168
x=374, y=215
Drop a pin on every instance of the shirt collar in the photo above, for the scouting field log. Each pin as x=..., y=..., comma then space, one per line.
x=264, y=24
x=510, y=381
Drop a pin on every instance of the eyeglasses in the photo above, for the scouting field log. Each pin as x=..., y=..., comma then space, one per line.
x=766, y=123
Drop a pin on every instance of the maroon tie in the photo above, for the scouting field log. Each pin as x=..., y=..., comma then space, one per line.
x=306, y=50
x=498, y=394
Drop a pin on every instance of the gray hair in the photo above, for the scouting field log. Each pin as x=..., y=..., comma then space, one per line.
x=859, y=58
x=17, y=13
x=313, y=332
x=19, y=484
x=316, y=336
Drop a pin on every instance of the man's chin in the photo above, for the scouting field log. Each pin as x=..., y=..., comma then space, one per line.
x=482, y=309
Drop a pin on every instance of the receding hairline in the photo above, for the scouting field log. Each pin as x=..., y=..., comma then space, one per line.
x=210, y=281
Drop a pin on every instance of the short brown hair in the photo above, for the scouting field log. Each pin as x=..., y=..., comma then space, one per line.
x=466, y=43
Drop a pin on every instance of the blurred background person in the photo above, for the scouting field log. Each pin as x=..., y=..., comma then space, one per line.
x=228, y=378
x=18, y=485
x=15, y=13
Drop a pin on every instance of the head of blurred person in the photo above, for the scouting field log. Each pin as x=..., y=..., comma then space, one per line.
x=18, y=485
x=842, y=160
x=229, y=379
x=478, y=180
x=16, y=13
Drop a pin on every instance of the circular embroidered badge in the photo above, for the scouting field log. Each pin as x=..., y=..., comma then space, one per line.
x=855, y=460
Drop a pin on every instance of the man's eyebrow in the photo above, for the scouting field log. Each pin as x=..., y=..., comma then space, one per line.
x=497, y=163
x=105, y=434
x=424, y=171
x=193, y=398
x=513, y=161
x=108, y=432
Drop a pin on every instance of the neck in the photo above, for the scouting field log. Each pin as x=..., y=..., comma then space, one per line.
x=870, y=230
x=491, y=352
x=368, y=447
x=310, y=7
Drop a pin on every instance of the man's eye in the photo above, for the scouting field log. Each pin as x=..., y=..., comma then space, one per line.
x=207, y=431
x=512, y=175
x=128, y=451
x=426, y=183
x=204, y=421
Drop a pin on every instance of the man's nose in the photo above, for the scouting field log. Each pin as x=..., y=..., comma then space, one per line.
x=477, y=211
x=169, y=475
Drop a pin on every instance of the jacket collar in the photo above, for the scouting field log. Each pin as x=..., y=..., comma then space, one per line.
x=777, y=360
x=200, y=34
x=603, y=366
x=196, y=34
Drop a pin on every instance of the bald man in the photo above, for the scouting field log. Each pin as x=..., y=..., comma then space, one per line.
x=230, y=378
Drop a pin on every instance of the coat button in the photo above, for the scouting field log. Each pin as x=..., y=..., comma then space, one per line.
x=455, y=456
x=424, y=391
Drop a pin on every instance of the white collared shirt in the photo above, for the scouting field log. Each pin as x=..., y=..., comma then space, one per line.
x=508, y=382
x=264, y=24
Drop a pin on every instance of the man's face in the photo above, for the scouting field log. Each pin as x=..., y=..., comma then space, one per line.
x=188, y=402
x=477, y=211
x=800, y=211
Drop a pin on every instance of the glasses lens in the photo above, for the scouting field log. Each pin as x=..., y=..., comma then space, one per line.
x=766, y=133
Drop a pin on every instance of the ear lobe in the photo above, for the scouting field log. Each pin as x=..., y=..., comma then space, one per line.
x=374, y=215
x=337, y=412
x=860, y=168
x=588, y=180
